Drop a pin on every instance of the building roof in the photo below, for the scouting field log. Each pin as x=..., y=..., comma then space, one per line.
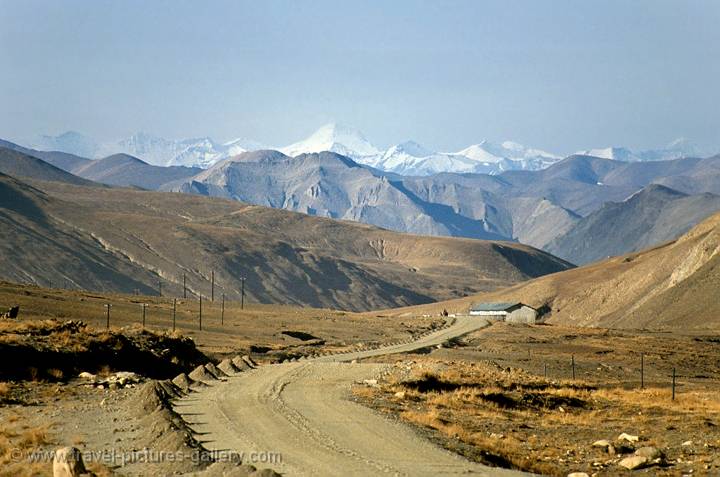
x=494, y=306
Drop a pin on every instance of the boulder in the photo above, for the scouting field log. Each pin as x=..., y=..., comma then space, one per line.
x=634, y=462
x=652, y=453
x=68, y=462
x=87, y=376
x=628, y=437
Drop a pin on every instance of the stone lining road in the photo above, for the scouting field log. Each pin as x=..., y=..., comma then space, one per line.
x=300, y=411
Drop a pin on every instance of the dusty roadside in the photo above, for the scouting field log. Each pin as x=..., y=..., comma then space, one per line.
x=116, y=411
x=486, y=397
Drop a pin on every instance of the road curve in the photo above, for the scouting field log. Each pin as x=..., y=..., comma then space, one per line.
x=300, y=412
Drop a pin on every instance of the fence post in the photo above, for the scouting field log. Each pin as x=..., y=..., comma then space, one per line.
x=573, y=366
x=222, y=310
x=160, y=287
x=144, y=306
x=212, y=286
x=642, y=370
x=107, y=319
x=545, y=370
x=673, y=385
x=201, y=312
x=242, y=294
x=184, y=287
x=174, y=311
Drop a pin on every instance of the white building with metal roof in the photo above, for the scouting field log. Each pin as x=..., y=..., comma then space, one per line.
x=511, y=312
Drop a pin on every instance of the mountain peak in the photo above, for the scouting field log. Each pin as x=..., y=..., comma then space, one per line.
x=334, y=137
x=411, y=148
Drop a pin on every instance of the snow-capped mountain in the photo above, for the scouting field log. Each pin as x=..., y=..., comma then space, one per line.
x=196, y=152
x=412, y=159
x=677, y=149
x=337, y=138
x=408, y=158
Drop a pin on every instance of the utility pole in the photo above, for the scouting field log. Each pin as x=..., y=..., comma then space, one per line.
x=673, y=385
x=200, y=312
x=222, y=310
x=174, y=311
x=242, y=293
x=107, y=319
x=184, y=287
x=212, y=285
x=144, y=306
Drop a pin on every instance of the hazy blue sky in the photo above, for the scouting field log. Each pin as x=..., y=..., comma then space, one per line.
x=559, y=75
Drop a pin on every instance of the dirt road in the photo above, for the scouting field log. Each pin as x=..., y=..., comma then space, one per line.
x=297, y=414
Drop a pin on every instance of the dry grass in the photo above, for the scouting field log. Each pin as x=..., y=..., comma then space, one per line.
x=19, y=442
x=507, y=417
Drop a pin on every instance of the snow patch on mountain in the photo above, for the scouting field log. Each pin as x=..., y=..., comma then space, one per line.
x=677, y=149
x=337, y=138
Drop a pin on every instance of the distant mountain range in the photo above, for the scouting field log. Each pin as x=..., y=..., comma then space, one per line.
x=580, y=208
x=195, y=152
x=77, y=234
x=407, y=158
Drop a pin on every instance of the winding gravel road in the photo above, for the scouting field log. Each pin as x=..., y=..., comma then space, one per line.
x=300, y=412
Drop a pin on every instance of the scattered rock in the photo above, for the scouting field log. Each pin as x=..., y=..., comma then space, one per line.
x=651, y=453
x=628, y=437
x=370, y=382
x=68, y=462
x=687, y=443
x=634, y=462
x=400, y=394
x=578, y=474
x=117, y=380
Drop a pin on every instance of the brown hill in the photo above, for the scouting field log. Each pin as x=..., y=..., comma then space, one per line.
x=673, y=286
x=116, y=239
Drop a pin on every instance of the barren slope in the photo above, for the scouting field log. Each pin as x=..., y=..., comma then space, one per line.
x=122, y=239
x=671, y=286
